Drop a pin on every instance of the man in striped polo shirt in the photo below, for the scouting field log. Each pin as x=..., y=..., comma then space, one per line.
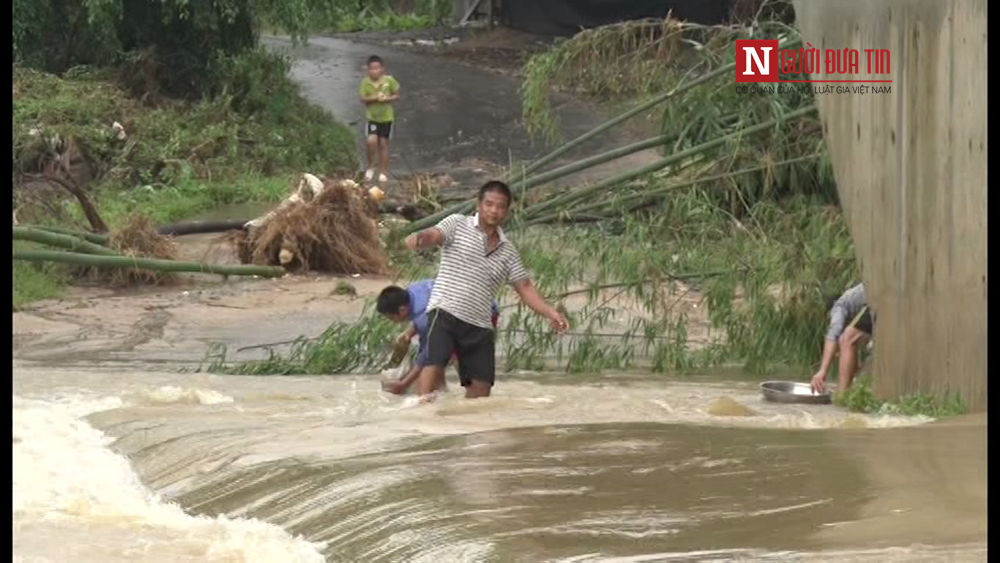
x=477, y=260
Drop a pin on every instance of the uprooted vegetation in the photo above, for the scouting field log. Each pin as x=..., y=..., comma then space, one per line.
x=138, y=238
x=166, y=162
x=645, y=60
x=668, y=295
x=647, y=295
x=743, y=207
x=328, y=228
x=740, y=213
x=160, y=109
x=342, y=348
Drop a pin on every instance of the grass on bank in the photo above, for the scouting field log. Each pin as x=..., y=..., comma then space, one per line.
x=36, y=282
x=256, y=125
x=187, y=198
x=387, y=20
x=861, y=398
x=344, y=16
x=363, y=346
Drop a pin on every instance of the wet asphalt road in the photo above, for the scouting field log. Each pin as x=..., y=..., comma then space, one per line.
x=451, y=117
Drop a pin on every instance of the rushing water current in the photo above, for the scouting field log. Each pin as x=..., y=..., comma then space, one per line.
x=123, y=466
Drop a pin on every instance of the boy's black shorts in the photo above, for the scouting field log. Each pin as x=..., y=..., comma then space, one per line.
x=474, y=346
x=379, y=129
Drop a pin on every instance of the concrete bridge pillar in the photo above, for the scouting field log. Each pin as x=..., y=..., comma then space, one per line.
x=911, y=172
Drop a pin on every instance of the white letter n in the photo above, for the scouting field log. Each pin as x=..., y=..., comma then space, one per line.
x=762, y=67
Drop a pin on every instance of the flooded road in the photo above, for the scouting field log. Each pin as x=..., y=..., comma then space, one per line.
x=451, y=118
x=549, y=469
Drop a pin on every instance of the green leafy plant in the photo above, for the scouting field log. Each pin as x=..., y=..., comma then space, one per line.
x=342, y=348
x=860, y=398
x=379, y=15
x=35, y=282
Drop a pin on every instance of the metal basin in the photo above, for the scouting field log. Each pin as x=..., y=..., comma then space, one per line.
x=792, y=392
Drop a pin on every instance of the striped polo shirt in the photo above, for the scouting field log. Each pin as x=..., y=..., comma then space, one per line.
x=470, y=274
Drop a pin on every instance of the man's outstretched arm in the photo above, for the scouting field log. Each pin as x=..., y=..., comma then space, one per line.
x=819, y=380
x=838, y=320
x=529, y=296
x=426, y=238
x=438, y=235
x=404, y=383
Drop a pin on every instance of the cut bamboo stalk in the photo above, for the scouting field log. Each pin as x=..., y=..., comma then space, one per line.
x=89, y=237
x=67, y=242
x=467, y=206
x=600, y=205
x=679, y=89
x=127, y=262
x=595, y=160
x=522, y=185
x=662, y=163
x=557, y=199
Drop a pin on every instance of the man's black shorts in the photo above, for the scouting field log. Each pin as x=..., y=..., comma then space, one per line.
x=864, y=322
x=474, y=346
x=379, y=129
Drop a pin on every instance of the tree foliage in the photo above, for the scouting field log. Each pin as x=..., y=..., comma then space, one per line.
x=174, y=45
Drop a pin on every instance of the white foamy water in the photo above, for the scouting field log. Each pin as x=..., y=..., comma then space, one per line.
x=170, y=395
x=76, y=500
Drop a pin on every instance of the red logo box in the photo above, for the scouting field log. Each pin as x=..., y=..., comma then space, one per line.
x=756, y=60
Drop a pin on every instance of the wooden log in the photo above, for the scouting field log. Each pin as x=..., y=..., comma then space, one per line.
x=201, y=227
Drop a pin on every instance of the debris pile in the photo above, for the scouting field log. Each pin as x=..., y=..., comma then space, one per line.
x=138, y=239
x=325, y=225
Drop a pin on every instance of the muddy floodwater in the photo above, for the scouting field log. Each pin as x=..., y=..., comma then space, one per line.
x=122, y=465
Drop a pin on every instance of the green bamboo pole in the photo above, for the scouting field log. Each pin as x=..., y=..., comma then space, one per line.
x=560, y=172
x=604, y=204
x=660, y=164
x=66, y=242
x=465, y=207
x=128, y=262
x=557, y=200
x=595, y=160
x=89, y=237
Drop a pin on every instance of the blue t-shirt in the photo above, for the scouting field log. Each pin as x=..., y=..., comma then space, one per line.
x=420, y=295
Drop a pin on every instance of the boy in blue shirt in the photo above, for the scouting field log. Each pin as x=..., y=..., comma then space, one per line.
x=410, y=305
